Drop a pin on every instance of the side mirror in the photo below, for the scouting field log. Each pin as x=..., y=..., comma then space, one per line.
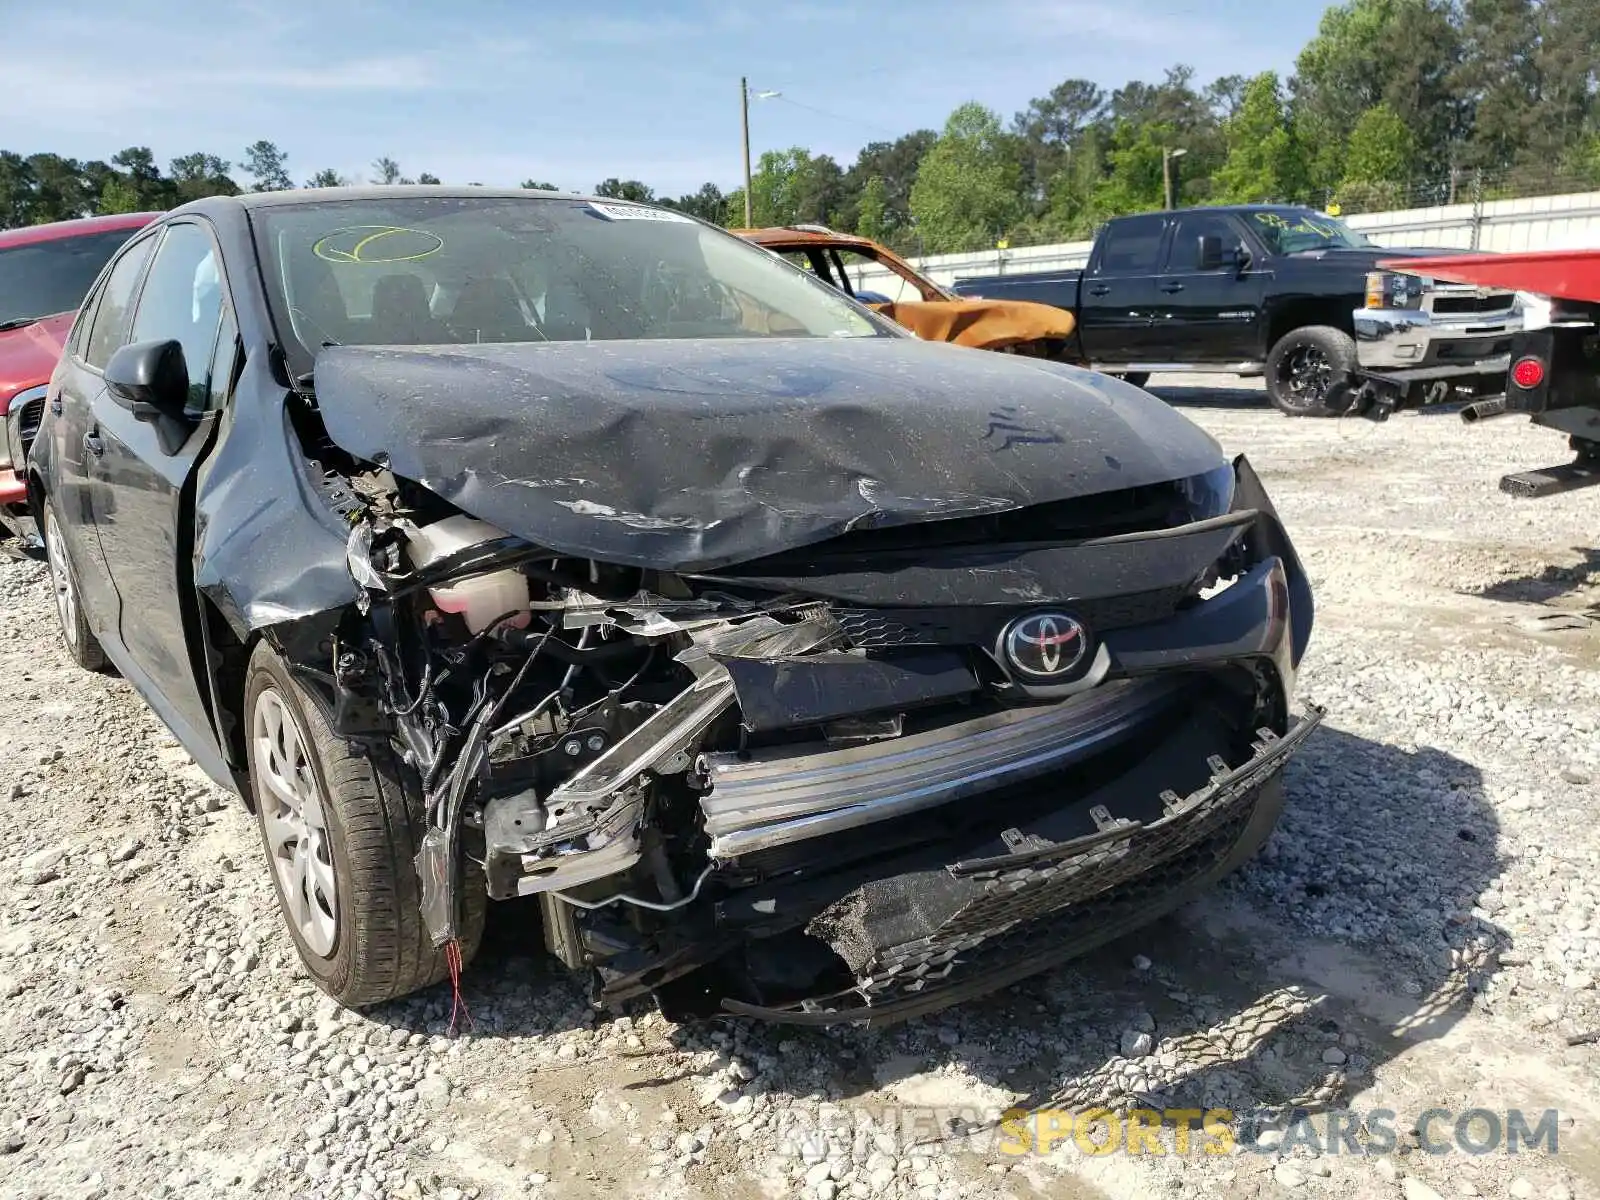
x=1210, y=252
x=150, y=380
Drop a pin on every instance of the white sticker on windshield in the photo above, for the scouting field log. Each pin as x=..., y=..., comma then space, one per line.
x=634, y=212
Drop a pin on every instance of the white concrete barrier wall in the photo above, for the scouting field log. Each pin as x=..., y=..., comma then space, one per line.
x=1569, y=222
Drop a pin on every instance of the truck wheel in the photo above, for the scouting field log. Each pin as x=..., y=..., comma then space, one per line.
x=81, y=644
x=1311, y=371
x=341, y=831
x=1137, y=378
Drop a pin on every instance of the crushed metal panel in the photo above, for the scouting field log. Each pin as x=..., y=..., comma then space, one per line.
x=689, y=455
x=788, y=693
x=268, y=547
x=981, y=324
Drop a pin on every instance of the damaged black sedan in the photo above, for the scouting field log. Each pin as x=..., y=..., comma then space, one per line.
x=506, y=544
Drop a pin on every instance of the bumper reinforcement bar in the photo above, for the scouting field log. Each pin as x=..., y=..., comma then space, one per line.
x=918, y=970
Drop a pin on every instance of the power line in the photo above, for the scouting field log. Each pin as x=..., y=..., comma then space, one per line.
x=822, y=112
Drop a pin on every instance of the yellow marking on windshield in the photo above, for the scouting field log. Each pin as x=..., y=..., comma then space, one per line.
x=367, y=236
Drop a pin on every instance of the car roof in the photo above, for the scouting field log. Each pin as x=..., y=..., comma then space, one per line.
x=796, y=236
x=1236, y=209
x=28, y=235
x=423, y=191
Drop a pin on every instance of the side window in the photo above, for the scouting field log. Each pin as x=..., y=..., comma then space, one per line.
x=867, y=274
x=225, y=361
x=182, y=300
x=78, y=339
x=110, y=328
x=1132, y=246
x=1185, y=254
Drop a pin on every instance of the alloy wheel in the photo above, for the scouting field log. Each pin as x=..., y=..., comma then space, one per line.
x=61, y=581
x=295, y=824
x=1307, y=376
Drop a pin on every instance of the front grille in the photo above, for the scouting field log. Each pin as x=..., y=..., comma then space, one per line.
x=883, y=628
x=1499, y=302
x=28, y=422
x=1472, y=349
x=1151, y=860
x=1042, y=918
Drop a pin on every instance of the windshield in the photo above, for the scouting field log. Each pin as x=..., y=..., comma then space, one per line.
x=1292, y=232
x=43, y=278
x=453, y=270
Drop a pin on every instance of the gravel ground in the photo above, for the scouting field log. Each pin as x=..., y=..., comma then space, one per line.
x=1423, y=932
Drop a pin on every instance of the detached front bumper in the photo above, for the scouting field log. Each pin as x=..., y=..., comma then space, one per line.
x=1407, y=346
x=934, y=937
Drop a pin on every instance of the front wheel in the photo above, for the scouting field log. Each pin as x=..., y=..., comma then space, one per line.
x=341, y=831
x=81, y=644
x=1137, y=378
x=1311, y=372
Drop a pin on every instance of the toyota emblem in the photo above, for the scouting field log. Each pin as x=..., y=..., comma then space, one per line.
x=1045, y=645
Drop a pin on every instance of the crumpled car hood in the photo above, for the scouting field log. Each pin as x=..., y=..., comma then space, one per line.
x=694, y=454
x=981, y=324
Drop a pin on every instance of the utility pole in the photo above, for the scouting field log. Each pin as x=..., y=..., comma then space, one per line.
x=1167, y=181
x=744, y=115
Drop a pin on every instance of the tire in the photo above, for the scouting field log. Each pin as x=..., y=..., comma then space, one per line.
x=1137, y=378
x=1311, y=372
x=81, y=644
x=367, y=943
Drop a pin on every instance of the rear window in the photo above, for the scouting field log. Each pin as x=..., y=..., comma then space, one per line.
x=45, y=278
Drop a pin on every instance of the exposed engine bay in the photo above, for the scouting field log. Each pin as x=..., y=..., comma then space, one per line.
x=818, y=785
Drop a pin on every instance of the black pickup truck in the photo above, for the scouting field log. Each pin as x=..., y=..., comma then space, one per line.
x=1267, y=289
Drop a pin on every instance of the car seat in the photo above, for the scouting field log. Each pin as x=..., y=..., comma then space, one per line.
x=400, y=315
x=488, y=311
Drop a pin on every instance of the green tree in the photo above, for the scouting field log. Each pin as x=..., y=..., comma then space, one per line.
x=1497, y=79
x=896, y=163
x=427, y=178
x=266, y=165
x=624, y=189
x=197, y=175
x=326, y=178
x=1074, y=196
x=1569, y=91
x=534, y=185
x=1224, y=96
x=1402, y=53
x=872, y=220
x=1048, y=131
x=60, y=188
x=386, y=171
x=1136, y=182
x=1264, y=157
x=967, y=192
x=16, y=191
x=778, y=185
x=1187, y=120
x=144, y=180
x=120, y=196
x=1378, y=161
x=708, y=203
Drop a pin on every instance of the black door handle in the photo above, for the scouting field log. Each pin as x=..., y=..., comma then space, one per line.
x=93, y=445
x=1172, y=289
x=1099, y=289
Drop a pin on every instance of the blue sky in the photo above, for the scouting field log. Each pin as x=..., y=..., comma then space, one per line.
x=496, y=91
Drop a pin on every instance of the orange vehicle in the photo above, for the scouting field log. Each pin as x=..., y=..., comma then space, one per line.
x=1014, y=326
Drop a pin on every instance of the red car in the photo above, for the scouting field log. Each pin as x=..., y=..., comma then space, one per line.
x=45, y=271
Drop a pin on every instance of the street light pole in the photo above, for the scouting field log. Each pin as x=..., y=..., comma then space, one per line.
x=744, y=113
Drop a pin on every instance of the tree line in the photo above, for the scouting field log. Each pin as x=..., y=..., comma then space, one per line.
x=1391, y=102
